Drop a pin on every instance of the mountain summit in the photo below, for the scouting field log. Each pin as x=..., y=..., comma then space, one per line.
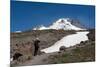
x=62, y=23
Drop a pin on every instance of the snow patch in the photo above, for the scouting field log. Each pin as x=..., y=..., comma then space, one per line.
x=18, y=31
x=67, y=41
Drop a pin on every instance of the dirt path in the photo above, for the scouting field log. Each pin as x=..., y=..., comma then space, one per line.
x=38, y=60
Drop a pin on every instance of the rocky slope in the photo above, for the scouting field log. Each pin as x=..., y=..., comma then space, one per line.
x=23, y=42
x=83, y=52
x=47, y=37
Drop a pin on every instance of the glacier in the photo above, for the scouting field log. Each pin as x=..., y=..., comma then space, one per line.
x=67, y=41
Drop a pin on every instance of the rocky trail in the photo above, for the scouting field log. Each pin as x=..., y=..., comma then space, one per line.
x=38, y=60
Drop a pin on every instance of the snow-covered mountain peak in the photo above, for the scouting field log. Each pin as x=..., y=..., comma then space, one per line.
x=41, y=27
x=62, y=23
x=64, y=20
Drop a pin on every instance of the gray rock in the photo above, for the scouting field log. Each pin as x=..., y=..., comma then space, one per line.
x=62, y=48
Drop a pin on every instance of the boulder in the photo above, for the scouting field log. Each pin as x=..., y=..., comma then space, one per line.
x=62, y=48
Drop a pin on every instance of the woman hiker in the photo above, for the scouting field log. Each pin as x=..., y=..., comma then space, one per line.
x=36, y=45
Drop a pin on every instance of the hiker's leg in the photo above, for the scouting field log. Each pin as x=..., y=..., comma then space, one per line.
x=36, y=51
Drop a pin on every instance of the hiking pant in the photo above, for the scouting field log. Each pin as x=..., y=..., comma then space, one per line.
x=36, y=51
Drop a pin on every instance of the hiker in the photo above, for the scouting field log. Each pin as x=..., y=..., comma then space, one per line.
x=36, y=45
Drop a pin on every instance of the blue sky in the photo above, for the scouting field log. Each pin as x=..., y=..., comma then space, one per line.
x=26, y=15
